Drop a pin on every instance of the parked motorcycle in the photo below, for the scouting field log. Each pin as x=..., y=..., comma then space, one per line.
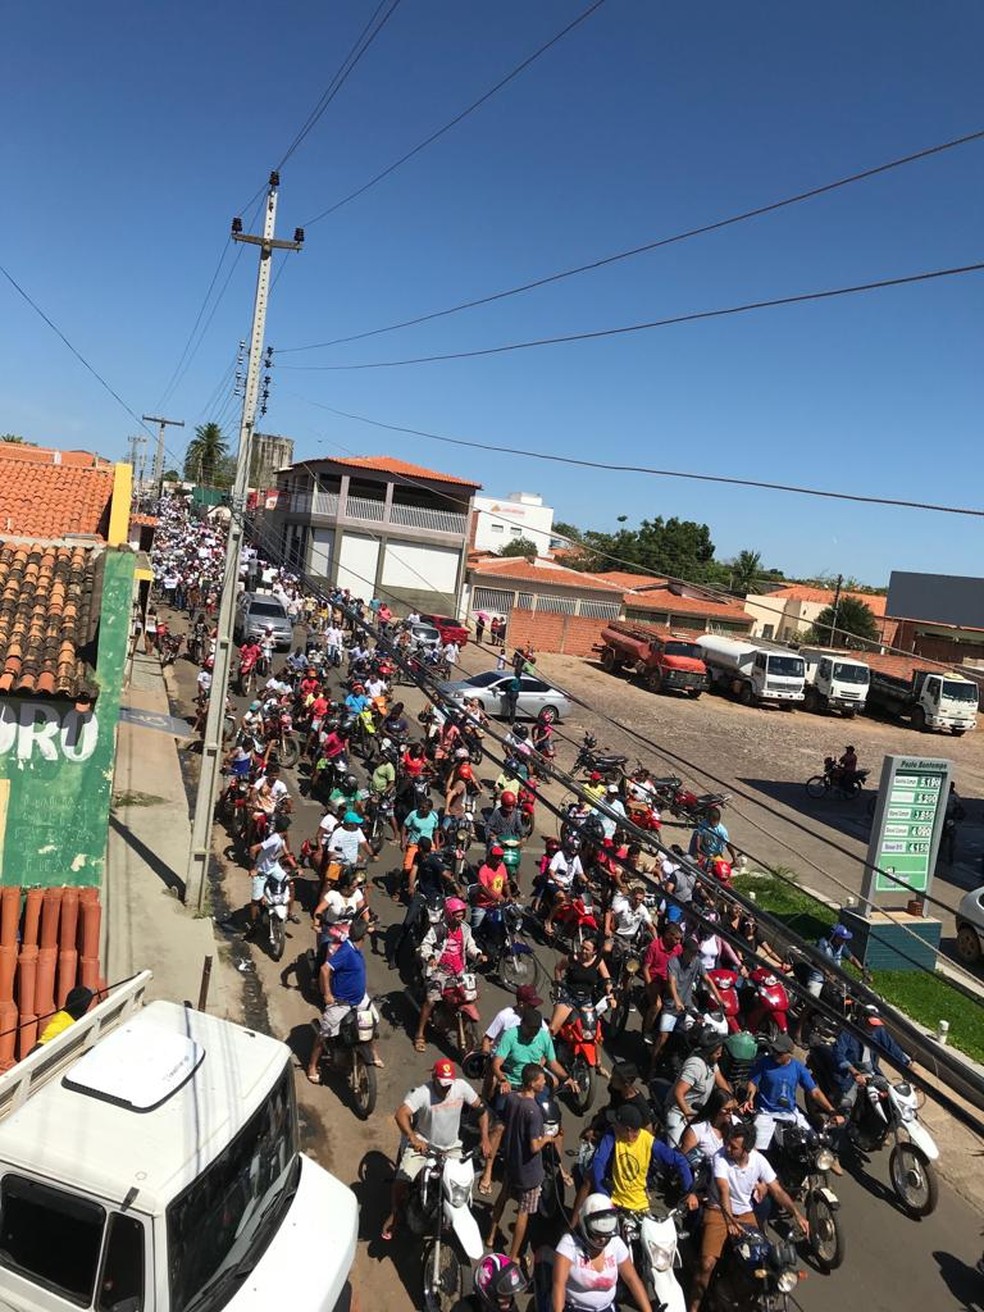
x=695, y=807
x=834, y=781
x=439, y=1213
x=350, y=1054
x=754, y=1275
x=803, y=1158
x=768, y=1011
x=611, y=765
x=885, y=1110
x=578, y=1048
x=653, y=1242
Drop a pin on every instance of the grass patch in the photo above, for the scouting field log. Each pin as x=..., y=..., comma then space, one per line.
x=924, y=998
x=133, y=798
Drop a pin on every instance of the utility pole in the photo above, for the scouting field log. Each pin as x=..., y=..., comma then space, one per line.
x=836, y=608
x=136, y=442
x=158, y=475
x=201, y=825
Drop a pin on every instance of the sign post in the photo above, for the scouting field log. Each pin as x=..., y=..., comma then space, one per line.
x=906, y=830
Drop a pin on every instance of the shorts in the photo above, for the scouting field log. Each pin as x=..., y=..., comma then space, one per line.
x=527, y=1200
x=667, y=1021
x=715, y=1232
x=408, y=857
x=333, y=1015
x=258, y=887
x=814, y=987
x=411, y=1163
x=435, y=987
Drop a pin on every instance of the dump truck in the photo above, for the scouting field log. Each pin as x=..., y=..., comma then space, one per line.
x=929, y=697
x=149, y=1162
x=835, y=681
x=664, y=661
x=755, y=671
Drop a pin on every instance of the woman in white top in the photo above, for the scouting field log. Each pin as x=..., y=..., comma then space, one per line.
x=590, y=1260
x=708, y=1130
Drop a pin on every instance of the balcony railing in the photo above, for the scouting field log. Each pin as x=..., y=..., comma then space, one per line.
x=364, y=508
x=440, y=521
x=321, y=503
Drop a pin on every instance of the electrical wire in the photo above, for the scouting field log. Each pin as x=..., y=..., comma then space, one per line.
x=633, y=251
x=696, y=316
x=76, y=352
x=347, y=66
x=552, y=458
x=476, y=104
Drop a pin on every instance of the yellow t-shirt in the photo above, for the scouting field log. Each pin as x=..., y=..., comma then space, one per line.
x=60, y=1021
x=630, y=1169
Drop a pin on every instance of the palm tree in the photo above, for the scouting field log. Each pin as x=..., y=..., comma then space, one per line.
x=744, y=571
x=206, y=451
x=852, y=618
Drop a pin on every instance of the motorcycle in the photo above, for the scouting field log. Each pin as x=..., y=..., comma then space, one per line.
x=247, y=678
x=625, y=967
x=885, y=1110
x=439, y=1213
x=653, y=1242
x=768, y=1011
x=802, y=1158
x=695, y=807
x=579, y=1049
x=350, y=1054
x=169, y=645
x=510, y=958
x=726, y=982
x=754, y=1275
x=610, y=765
x=456, y=1012
x=379, y=811
x=835, y=781
x=552, y=1192
x=273, y=913
x=280, y=735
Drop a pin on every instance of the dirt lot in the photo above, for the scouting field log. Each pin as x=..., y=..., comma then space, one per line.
x=766, y=755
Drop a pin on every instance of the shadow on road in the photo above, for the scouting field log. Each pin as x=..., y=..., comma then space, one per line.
x=846, y=815
x=963, y=1281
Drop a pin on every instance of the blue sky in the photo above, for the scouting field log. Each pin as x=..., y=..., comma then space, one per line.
x=134, y=133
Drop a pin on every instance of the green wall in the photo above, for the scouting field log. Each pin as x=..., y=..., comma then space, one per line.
x=56, y=767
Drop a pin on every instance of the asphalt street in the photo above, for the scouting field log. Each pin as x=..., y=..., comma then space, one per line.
x=892, y=1261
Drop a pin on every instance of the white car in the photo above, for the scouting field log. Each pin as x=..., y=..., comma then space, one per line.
x=970, y=927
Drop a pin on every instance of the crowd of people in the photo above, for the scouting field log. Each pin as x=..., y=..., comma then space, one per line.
x=695, y=1133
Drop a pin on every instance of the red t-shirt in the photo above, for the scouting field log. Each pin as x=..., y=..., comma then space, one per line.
x=658, y=957
x=491, y=880
x=413, y=765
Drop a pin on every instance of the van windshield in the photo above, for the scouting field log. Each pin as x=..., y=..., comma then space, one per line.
x=272, y=608
x=960, y=692
x=851, y=673
x=220, y=1226
x=789, y=666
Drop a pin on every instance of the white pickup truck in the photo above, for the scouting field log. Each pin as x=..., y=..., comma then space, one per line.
x=149, y=1162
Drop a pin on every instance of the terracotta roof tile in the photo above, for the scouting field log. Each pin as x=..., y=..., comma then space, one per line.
x=542, y=571
x=42, y=499
x=45, y=605
x=825, y=596
x=389, y=465
x=672, y=604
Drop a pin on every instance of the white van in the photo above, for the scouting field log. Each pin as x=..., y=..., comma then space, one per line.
x=149, y=1162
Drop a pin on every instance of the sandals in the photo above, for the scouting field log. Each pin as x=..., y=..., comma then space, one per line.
x=420, y=1044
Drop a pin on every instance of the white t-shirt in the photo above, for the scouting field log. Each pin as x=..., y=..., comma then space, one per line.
x=268, y=803
x=326, y=827
x=741, y=1179
x=626, y=918
x=271, y=850
x=341, y=910
x=587, y=1287
x=344, y=843
x=438, y=1120
x=562, y=871
x=506, y=1019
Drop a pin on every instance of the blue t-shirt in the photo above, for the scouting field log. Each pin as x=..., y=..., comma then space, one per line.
x=777, y=1084
x=356, y=702
x=420, y=826
x=348, y=974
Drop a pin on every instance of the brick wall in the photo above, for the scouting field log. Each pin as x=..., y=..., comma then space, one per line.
x=568, y=635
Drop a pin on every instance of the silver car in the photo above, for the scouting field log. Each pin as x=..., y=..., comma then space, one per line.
x=537, y=699
x=424, y=635
x=255, y=613
x=970, y=927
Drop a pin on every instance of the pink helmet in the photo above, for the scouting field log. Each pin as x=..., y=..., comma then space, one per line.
x=453, y=906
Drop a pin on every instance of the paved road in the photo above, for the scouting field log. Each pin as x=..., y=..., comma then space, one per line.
x=893, y=1263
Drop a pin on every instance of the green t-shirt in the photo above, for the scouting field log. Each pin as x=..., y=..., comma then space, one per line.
x=516, y=1054
x=383, y=777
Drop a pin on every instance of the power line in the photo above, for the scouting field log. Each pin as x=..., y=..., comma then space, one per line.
x=654, y=245
x=476, y=104
x=552, y=458
x=341, y=76
x=621, y=331
x=78, y=354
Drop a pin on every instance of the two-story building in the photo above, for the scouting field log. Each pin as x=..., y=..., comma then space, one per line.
x=377, y=526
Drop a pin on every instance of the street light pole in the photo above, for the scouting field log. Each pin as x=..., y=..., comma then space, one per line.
x=201, y=825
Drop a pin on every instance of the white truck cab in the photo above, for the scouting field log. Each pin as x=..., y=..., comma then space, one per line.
x=755, y=671
x=149, y=1162
x=835, y=681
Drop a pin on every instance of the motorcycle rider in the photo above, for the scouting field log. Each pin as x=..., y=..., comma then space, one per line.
x=591, y=1259
x=682, y=974
x=491, y=887
x=420, y=823
x=347, y=846
x=268, y=857
x=847, y=766
x=772, y=1087
x=627, y=914
x=505, y=821
x=626, y=1157
x=699, y=1076
x=853, y=1060
x=446, y=949
x=462, y=785
x=430, y=1117
x=429, y=881
x=666, y=944
x=497, y=1281
x=563, y=871
x=740, y=1173
x=343, y=986
x=580, y=978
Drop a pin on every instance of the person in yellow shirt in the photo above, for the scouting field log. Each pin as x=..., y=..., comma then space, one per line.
x=77, y=1003
x=627, y=1156
x=595, y=787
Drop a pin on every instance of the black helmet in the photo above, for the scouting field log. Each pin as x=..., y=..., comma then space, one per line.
x=351, y=783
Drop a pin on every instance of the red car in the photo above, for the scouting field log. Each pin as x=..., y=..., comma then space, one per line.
x=448, y=627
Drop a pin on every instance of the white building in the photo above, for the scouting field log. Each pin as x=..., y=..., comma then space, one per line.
x=499, y=520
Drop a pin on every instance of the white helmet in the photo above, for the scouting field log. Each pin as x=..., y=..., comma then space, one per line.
x=598, y=1221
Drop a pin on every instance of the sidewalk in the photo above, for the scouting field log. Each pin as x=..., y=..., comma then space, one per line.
x=145, y=924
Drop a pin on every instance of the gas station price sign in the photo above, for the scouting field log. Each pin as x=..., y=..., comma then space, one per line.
x=907, y=826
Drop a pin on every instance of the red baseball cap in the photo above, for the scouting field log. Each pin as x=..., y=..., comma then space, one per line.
x=444, y=1072
x=496, y=850
x=595, y=777
x=527, y=995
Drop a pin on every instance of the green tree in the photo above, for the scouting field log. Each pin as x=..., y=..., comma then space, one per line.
x=851, y=619
x=205, y=454
x=678, y=548
x=172, y=476
x=564, y=530
x=12, y=437
x=745, y=570
x=519, y=547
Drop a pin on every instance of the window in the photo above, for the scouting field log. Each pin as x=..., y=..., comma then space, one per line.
x=524, y=601
x=122, y=1284
x=51, y=1237
x=768, y=630
x=496, y=600
x=220, y=1226
x=485, y=679
x=600, y=610
x=496, y=528
x=516, y=531
x=557, y=605
x=534, y=685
